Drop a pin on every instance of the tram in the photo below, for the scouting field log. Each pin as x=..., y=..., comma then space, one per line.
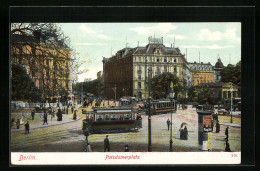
x=163, y=106
x=112, y=119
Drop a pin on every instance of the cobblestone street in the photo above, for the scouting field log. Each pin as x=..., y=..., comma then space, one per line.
x=68, y=137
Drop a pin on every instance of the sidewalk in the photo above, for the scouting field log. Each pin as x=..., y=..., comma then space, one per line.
x=38, y=120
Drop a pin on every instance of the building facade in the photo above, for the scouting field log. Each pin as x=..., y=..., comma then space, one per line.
x=127, y=71
x=49, y=68
x=217, y=69
x=221, y=90
x=201, y=73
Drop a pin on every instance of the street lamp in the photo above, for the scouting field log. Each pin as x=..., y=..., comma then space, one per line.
x=231, y=103
x=171, y=96
x=149, y=125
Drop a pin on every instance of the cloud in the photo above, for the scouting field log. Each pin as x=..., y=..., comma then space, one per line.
x=207, y=46
x=164, y=29
x=93, y=33
x=208, y=35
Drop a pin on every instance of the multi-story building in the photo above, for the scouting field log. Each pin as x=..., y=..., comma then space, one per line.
x=127, y=71
x=201, y=73
x=217, y=69
x=48, y=67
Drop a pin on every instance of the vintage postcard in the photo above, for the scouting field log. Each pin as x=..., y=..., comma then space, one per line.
x=125, y=93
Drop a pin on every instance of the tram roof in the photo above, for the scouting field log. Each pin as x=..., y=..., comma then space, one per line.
x=113, y=111
x=162, y=101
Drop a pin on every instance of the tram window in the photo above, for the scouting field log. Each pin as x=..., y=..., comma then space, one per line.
x=114, y=117
x=126, y=116
x=121, y=117
x=106, y=117
x=100, y=117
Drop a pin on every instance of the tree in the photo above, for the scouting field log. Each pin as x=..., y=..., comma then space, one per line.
x=201, y=94
x=232, y=74
x=160, y=85
x=23, y=88
x=95, y=87
x=47, y=54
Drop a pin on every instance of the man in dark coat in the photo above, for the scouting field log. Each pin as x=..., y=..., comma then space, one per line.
x=185, y=133
x=45, y=117
x=59, y=115
x=226, y=133
x=27, y=127
x=168, y=123
x=86, y=133
x=217, y=127
x=33, y=114
x=106, y=144
x=227, y=148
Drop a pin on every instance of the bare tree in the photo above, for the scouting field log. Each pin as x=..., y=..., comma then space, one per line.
x=46, y=53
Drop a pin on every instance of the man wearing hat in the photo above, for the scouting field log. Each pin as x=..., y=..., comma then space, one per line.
x=106, y=144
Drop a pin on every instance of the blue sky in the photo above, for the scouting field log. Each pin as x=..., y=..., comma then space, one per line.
x=93, y=41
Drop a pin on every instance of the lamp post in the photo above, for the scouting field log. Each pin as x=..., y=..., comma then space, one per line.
x=171, y=95
x=231, y=103
x=149, y=126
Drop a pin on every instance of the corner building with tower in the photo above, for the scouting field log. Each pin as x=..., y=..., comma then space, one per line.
x=127, y=70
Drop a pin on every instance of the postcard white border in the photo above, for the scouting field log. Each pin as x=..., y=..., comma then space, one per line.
x=125, y=158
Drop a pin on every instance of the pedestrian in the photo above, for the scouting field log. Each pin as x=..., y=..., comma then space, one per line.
x=168, y=123
x=217, y=127
x=226, y=133
x=59, y=115
x=33, y=114
x=126, y=148
x=45, y=117
x=227, y=148
x=185, y=133
x=88, y=149
x=18, y=124
x=27, y=127
x=75, y=115
x=106, y=144
x=86, y=133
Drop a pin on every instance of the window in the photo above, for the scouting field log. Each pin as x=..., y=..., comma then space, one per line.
x=165, y=59
x=139, y=84
x=139, y=77
x=157, y=69
x=174, y=59
x=175, y=69
x=139, y=59
x=165, y=68
x=158, y=60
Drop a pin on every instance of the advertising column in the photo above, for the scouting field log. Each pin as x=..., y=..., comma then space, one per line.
x=204, y=130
